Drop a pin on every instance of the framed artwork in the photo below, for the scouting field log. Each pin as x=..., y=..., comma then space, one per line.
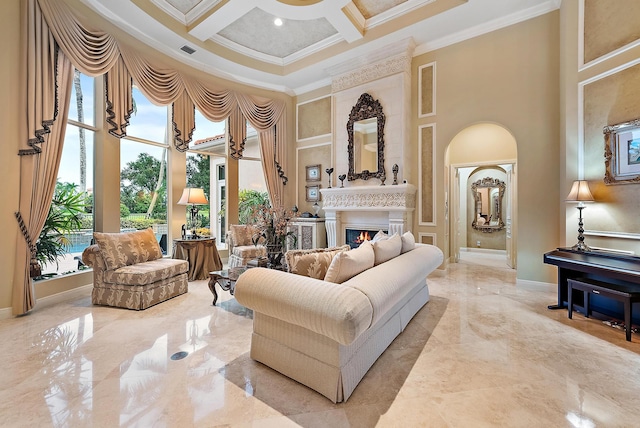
x=313, y=173
x=313, y=193
x=622, y=153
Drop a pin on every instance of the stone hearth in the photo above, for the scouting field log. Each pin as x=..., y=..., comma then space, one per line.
x=385, y=207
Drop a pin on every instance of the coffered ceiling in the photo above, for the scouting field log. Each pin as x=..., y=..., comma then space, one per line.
x=239, y=39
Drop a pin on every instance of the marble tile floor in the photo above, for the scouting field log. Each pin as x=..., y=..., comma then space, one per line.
x=482, y=353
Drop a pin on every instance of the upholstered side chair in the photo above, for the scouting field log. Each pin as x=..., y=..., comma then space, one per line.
x=240, y=238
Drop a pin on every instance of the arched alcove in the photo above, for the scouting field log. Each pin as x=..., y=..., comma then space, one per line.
x=477, y=147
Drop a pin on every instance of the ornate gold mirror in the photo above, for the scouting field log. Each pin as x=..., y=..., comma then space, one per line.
x=487, y=195
x=365, y=130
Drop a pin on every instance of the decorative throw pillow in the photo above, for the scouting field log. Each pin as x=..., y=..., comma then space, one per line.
x=242, y=234
x=347, y=264
x=408, y=242
x=128, y=248
x=312, y=263
x=379, y=236
x=387, y=249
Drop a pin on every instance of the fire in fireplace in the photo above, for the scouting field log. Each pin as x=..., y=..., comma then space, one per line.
x=355, y=237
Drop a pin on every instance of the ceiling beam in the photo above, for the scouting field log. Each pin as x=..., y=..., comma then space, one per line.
x=220, y=17
x=346, y=18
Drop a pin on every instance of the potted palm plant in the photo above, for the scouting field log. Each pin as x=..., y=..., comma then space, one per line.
x=65, y=216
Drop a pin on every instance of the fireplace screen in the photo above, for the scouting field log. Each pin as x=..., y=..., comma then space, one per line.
x=355, y=237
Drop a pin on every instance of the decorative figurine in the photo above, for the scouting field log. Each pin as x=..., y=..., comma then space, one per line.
x=316, y=209
x=395, y=173
x=341, y=178
x=383, y=177
x=329, y=171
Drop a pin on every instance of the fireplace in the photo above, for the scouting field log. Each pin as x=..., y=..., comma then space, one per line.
x=355, y=237
x=370, y=208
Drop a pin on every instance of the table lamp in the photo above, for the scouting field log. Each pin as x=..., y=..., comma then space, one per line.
x=580, y=193
x=193, y=196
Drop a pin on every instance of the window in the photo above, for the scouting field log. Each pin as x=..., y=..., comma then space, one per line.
x=206, y=154
x=199, y=175
x=74, y=186
x=143, y=170
x=252, y=188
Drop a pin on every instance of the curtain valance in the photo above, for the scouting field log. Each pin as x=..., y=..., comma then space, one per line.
x=96, y=52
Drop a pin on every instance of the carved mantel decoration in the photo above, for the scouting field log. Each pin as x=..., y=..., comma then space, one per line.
x=391, y=206
x=402, y=197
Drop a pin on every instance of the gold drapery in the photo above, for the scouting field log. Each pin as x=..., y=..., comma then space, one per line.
x=237, y=133
x=56, y=41
x=48, y=76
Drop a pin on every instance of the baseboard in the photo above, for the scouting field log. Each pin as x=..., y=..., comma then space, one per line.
x=483, y=250
x=43, y=302
x=75, y=293
x=6, y=313
x=536, y=285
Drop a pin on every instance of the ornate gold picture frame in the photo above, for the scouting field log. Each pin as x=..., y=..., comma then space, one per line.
x=313, y=193
x=622, y=153
x=313, y=172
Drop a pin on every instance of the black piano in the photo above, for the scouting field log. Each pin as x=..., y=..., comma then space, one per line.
x=608, y=267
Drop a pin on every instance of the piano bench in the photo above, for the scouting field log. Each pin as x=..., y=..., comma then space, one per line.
x=627, y=294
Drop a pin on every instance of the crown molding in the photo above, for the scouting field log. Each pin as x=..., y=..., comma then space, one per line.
x=496, y=24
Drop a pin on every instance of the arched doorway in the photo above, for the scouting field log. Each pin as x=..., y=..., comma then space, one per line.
x=482, y=147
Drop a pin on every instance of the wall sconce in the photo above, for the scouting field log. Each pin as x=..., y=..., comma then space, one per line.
x=580, y=193
x=193, y=196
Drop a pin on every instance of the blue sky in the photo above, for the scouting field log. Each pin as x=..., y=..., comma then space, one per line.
x=149, y=123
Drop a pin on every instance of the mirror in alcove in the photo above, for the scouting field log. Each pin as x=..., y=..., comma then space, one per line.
x=365, y=130
x=488, y=194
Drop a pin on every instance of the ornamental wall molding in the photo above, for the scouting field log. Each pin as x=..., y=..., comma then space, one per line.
x=400, y=63
x=372, y=198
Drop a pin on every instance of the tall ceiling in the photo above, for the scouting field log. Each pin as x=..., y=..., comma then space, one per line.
x=239, y=40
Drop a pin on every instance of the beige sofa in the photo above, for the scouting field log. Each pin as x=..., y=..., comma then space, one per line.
x=327, y=335
x=130, y=272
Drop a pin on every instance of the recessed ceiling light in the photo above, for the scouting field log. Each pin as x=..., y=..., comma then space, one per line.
x=277, y=22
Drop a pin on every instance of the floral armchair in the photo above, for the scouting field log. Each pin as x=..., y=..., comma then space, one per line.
x=241, y=247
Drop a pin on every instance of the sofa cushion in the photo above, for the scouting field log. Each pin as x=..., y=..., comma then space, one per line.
x=348, y=264
x=312, y=263
x=250, y=251
x=146, y=272
x=128, y=248
x=408, y=242
x=386, y=249
x=242, y=234
x=387, y=284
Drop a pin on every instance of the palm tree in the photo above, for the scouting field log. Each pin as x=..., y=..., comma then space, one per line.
x=247, y=200
x=83, y=146
x=154, y=197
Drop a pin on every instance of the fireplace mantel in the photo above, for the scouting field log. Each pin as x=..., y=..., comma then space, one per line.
x=389, y=205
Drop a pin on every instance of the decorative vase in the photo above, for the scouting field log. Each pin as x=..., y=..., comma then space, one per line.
x=329, y=171
x=274, y=256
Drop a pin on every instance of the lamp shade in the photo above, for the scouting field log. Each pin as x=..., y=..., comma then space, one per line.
x=193, y=196
x=580, y=192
